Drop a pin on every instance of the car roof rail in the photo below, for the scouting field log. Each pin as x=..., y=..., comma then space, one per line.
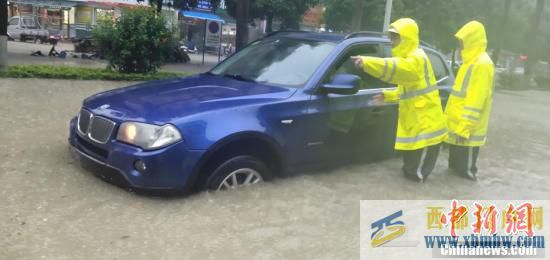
x=284, y=31
x=425, y=44
x=378, y=34
x=365, y=34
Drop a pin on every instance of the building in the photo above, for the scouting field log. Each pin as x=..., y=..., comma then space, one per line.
x=193, y=24
x=70, y=18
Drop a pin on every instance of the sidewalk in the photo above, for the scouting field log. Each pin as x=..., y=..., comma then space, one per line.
x=19, y=54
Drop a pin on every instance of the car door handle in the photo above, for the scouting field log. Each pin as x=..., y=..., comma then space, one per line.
x=377, y=111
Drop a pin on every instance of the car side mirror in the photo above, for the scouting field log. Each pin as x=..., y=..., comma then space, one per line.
x=343, y=84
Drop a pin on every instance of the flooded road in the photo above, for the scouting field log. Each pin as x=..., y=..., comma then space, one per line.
x=52, y=209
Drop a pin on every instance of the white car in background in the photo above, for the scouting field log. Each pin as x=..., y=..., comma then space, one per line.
x=24, y=28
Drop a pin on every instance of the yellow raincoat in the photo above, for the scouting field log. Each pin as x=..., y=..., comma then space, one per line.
x=421, y=121
x=470, y=102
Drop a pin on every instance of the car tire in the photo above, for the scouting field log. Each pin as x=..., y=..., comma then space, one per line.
x=247, y=170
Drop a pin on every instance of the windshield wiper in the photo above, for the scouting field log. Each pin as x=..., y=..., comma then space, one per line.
x=238, y=77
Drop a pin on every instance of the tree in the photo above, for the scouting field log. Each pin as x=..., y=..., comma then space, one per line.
x=357, y=16
x=337, y=15
x=505, y=17
x=3, y=34
x=532, y=36
x=438, y=20
x=137, y=42
x=288, y=11
x=243, y=16
x=367, y=15
x=292, y=13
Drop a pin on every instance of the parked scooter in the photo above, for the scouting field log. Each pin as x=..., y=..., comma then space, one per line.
x=189, y=47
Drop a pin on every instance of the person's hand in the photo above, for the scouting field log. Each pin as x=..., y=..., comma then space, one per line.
x=357, y=61
x=460, y=140
x=378, y=99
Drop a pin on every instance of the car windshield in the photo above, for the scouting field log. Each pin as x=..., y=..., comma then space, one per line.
x=276, y=60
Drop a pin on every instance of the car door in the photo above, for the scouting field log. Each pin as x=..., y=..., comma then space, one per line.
x=347, y=128
x=443, y=75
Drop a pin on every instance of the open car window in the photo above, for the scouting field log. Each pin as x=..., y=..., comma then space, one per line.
x=345, y=66
x=440, y=69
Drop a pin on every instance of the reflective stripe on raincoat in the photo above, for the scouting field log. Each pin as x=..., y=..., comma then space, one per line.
x=421, y=121
x=470, y=101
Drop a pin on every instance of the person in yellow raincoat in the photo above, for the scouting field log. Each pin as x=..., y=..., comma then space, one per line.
x=421, y=126
x=470, y=101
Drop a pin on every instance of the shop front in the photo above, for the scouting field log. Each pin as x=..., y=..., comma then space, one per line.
x=51, y=14
x=70, y=18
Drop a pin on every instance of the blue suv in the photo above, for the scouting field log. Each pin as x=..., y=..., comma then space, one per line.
x=287, y=103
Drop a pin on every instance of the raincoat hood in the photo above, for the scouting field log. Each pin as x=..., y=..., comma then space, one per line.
x=408, y=31
x=474, y=40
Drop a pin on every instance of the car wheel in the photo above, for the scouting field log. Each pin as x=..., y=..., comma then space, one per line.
x=238, y=172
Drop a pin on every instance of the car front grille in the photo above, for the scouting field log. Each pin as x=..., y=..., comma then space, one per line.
x=98, y=129
x=101, y=129
x=84, y=121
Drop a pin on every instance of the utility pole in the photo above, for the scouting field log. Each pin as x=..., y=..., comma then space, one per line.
x=3, y=34
x=387, y=15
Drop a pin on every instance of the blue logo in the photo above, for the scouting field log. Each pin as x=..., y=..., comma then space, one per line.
x=387, y=229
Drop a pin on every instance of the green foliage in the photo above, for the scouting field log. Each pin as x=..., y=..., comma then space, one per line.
x=338, y=15
x=288, y=11
x=66, y=72
x=512, y=81
x=137, y=42
x=440, y=20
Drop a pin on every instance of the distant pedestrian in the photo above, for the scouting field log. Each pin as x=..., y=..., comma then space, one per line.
x=470, y=101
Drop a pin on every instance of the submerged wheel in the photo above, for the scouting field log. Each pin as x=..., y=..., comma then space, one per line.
x=238, y=172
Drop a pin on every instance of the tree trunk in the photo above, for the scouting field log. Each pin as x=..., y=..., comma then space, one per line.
x=532, y=38
x=159, y=6
x=357, y=16
x=498, y=43
x=3, y=34
x=269, y=23
x=243, y=12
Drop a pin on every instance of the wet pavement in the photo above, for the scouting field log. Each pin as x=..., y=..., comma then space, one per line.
x=52, y=209
x=19, y=54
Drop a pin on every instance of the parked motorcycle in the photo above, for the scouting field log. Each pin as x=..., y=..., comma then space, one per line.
x=189, y=47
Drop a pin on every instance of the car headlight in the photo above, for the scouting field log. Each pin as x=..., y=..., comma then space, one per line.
x=148, y=136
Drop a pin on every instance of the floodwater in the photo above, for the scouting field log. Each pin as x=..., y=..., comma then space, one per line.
x=52, y=209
